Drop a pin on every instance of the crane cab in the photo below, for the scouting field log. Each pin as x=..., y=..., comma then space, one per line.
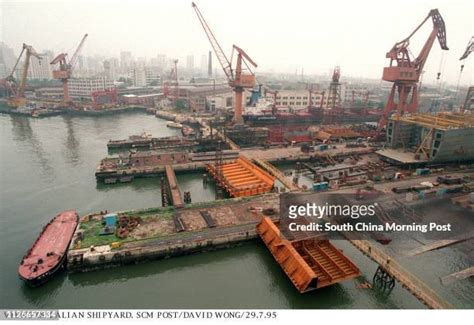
x=399, y=74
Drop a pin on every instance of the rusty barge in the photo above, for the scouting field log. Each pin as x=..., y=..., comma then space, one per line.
x=49, y=251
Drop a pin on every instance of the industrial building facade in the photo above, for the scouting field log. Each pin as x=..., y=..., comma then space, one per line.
x=299, y=99
x=82, y=88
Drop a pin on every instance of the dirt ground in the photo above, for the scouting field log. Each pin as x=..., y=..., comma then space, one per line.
x=153, y=226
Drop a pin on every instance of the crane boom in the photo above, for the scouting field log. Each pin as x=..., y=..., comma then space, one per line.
x=406, y=73
x=223, y=60
x=238, y=80
x=73, y=60
x=66, y=68
x=10, y=76
x=30, y=51
x=469, y=49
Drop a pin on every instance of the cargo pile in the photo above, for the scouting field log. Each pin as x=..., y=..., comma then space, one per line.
x=126, y=225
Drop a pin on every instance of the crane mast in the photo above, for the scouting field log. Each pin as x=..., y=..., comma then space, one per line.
x=405, y=71
x=236, y=78
x=174, y=76
x=19, y=92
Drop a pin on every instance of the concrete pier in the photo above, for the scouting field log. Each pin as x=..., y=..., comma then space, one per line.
x=174, y=187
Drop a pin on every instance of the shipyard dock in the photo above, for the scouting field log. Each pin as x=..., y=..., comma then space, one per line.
x=152, y=163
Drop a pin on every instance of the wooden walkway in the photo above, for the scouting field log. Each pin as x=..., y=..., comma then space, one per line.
x=461, y=275
x=414, y=285
x=440, y=244
x=174, y=187
x=277, y=173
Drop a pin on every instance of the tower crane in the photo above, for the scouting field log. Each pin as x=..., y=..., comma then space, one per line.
x=334, y=110
x=66, y=68
x=174, y=78
x=18, y=90
x=405, y=71
x=236, y=78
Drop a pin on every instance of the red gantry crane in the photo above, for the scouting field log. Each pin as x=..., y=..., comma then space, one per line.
x=237, y=79
x=18, y=90
x=66, y=68
x=405, y=71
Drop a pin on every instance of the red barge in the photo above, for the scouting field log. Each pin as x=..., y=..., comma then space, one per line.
x=49, y=251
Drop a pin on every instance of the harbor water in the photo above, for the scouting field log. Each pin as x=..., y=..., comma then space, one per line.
x=47, y=165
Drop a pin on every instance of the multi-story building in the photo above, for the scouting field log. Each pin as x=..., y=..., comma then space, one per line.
x=298, y=99
x=110, y=68
x=40, y=69
x=139, y=76
x=126, y=60
x=145, y=76
x=82, y=88
x=203, y=64
x=7, y=60
x=358, y=91
x=218, y=102
x=197, y=96
x=152, y=76
x=190, y=63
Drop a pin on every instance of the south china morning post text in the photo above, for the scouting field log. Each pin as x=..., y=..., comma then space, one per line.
x=312, y=214
x=354, y=212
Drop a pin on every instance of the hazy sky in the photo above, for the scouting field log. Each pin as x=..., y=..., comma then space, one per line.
x=278, y=35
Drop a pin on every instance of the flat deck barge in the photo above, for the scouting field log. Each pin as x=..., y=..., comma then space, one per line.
x=164, y=232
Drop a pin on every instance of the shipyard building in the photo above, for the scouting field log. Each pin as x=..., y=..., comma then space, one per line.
x=424, y=138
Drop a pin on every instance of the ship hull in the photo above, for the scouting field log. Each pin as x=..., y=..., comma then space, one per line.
x=48, y=254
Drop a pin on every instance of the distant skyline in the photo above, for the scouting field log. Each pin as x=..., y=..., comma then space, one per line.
x=281, y=36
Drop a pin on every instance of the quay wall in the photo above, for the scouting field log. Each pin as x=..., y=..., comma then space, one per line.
x=80, y=260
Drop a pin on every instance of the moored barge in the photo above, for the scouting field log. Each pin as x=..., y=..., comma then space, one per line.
x=49, y=251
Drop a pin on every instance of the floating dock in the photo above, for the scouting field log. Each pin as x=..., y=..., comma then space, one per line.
x=241, y=178
x=309, y=263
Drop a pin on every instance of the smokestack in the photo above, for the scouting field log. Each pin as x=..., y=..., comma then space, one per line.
x=209, y=65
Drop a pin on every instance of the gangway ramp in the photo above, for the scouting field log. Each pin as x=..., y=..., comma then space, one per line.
x=277, y=173
x=309, y=263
